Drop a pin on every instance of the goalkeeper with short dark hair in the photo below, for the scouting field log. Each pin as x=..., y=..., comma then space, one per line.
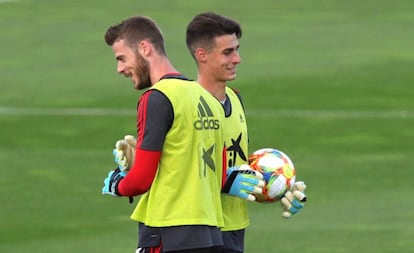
x=213, y=41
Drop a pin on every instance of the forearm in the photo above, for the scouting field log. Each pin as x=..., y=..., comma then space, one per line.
x=141, y=175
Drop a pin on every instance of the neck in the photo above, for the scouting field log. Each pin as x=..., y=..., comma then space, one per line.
x=214, y=87
x=160, y=67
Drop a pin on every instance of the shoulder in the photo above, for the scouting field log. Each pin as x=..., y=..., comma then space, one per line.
x=153, y=96
x=155, y=103
x=234, y=92
x=172, y=83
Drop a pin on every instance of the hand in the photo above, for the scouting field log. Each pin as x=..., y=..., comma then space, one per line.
x=243, y=182
x=124, y=152
x=112, y=181
x=293, y=200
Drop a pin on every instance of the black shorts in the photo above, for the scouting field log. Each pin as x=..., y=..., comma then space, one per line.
x=159, y=250
x=180, y=238
x=233, y=241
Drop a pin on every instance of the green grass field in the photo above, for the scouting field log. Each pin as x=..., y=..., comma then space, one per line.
x=328, y=82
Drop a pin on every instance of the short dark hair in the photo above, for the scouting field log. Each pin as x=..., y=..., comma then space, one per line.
x=134, y=30
x=205, y=27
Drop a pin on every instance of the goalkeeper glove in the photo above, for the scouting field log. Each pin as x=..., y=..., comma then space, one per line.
x=243, y=182
x=293, y=200
x=124, y=152
x=112, y=181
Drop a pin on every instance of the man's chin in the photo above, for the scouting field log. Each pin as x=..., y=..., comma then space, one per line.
x=231, y=77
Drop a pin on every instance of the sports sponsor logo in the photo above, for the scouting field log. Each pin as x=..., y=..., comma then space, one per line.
x=208, y=161
x=235, y=151
x=206, y=119
x=241, y=119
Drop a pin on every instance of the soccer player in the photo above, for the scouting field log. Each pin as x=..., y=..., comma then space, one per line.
x=179, y=152
x=178, y=162
x=213, y=41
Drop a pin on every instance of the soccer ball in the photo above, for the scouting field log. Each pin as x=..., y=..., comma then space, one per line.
x=278, y=172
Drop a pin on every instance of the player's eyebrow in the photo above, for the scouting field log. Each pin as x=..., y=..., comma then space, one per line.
x=231, y=49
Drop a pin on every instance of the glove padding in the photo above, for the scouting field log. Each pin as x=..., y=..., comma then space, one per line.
x=243, y=182
x=124, y=152
x=293, y=200
x=112, y=181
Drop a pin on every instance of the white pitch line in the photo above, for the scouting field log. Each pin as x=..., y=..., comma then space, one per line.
x=251, y=113
x=7, y=1
x=66, y=111
x=330, y=114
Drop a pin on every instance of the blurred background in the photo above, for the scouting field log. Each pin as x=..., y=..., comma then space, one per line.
x=328, y=82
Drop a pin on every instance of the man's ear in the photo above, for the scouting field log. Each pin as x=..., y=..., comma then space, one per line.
x=144, y=48
x=201, y=54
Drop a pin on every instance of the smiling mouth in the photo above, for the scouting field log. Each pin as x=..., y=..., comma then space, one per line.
x=128, y=76
x=232, y=70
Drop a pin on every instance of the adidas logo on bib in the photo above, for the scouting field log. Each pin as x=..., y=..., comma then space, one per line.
x=206, y=116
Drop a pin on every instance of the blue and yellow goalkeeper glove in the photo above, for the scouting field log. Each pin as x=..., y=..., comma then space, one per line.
x=124, y=152
x=294, y=200
x=243, y=182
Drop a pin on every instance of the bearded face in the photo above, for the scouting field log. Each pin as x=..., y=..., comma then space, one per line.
x=141, y=74
x=132, y=65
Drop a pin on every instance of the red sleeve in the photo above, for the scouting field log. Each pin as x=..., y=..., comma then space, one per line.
x=141, y=175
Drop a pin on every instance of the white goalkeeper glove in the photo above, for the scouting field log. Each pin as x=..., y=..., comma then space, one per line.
x=243, y=182
x=124, y=152
x=293, y=200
